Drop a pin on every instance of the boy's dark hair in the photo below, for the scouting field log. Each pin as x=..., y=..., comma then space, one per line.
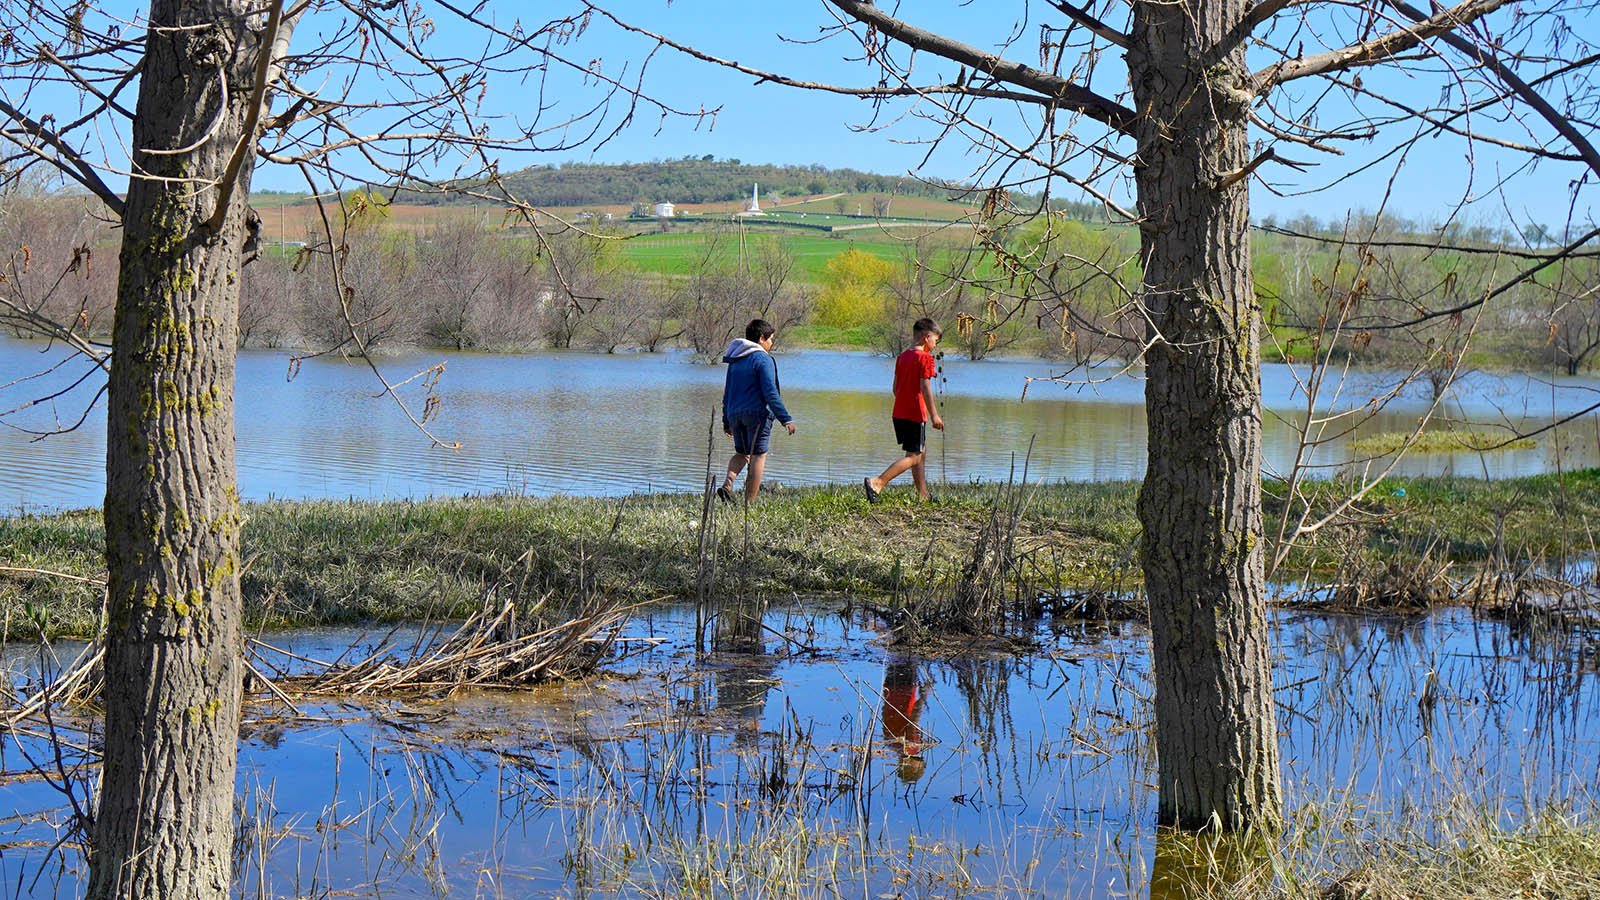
x=758, y=329
x=925, y=326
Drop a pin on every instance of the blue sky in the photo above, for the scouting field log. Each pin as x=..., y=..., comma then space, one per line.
x=774, y=124
x=771, y=123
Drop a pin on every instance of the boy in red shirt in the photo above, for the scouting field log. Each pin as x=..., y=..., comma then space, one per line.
x=913, y=407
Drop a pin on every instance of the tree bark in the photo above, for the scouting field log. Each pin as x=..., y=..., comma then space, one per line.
x=164, y=823
x=1200, y=505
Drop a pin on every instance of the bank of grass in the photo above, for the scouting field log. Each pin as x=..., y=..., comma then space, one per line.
x=324, y=562
x=1537, y=519
x=680, y=252
x=829, y=337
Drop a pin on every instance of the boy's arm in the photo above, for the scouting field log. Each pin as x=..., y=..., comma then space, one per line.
x=933, y=410
x=726, y=427
x=769, y=392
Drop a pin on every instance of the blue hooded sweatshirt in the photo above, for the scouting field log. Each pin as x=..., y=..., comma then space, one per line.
x=752, y=385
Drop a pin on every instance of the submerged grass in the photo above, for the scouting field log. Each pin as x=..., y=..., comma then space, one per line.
x=326, y=562
x=1441, y=441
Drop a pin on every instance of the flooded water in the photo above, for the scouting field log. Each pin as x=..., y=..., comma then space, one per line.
x=841, y=767
x=595, y=424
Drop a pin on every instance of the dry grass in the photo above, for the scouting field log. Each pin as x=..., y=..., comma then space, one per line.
x=502, y=646
x=1552, y=856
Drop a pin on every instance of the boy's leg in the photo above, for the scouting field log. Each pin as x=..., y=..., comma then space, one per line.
x=895, y=470
x=735, y=466
x=757, y=432
x=911, y=436
x=752, y=482
x=746, y=444
x=919, y=475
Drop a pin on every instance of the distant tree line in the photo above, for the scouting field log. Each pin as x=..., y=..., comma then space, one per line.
x=463, y=285
x=689, y=180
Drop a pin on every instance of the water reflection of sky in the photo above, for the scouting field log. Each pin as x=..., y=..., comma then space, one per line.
x=1041, y=759
x=596, y=424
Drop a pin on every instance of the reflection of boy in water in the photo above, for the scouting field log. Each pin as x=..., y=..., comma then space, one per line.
x=742, y=695
x=902, y=704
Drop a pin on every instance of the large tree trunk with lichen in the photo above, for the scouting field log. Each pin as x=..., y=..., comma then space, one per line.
x=1200, y=506
x=163, y=826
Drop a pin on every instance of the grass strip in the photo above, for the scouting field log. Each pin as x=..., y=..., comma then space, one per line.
x=331, y=562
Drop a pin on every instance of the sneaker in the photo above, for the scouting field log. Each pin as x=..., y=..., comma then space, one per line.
x=872, y=495
x=725, y=495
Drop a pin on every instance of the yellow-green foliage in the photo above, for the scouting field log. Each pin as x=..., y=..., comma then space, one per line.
x=365, y=208
x=853, y=290
x=1093, y=269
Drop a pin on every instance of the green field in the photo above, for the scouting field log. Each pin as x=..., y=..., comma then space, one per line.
x=678, y=252
x=915, y=207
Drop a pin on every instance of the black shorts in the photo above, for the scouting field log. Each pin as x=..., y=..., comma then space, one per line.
x=911, y=436
x=752, y=435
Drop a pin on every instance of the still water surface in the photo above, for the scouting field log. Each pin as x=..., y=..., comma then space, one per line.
x=595, y=424
x=1031, y=775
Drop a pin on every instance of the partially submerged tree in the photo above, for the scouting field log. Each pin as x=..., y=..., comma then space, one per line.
x=1573, y=307
x=732, y=276
x=1209, y=97
x=219, y=89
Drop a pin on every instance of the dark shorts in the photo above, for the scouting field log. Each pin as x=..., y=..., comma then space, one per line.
x=911, y=436
x=751, y=434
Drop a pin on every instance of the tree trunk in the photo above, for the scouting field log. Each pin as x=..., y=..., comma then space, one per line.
x=1200, y=506
x=164, y=823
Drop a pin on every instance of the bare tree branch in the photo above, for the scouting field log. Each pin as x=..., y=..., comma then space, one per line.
x=1556, y=119
x=959, y=88
x=1515, y=281
x=1096, y=27
x=1378, y=50
x=1263, y=11
x=66, y=158
x=1064, y=93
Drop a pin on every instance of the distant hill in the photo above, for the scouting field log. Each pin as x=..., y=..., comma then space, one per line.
x=695, y=180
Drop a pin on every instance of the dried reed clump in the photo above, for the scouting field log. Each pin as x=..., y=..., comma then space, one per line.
x=991, y=586
x=79, y=683
x=1543, y=610
x=1103, y=605
x=1398, y=586
x=505, y=644
x=1404, y=584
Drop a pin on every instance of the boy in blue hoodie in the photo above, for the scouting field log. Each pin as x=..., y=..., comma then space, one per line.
x=750, y=402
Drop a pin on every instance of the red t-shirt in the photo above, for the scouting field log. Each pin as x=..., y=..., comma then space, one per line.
x=909, y=370
x=900, y=715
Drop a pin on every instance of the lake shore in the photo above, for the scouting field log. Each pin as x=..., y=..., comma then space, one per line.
x=328, y=562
